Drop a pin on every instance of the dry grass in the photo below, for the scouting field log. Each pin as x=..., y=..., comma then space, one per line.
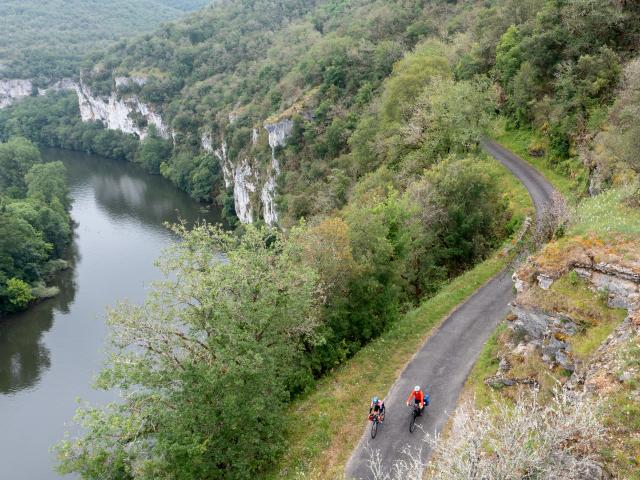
x=560, y=256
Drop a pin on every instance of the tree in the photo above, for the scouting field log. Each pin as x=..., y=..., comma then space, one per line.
x=17, y=294
x=207, y=363
x=460, y=218
x=17, y=156
x=47, y=183
x=447, y=117
x=153, y=151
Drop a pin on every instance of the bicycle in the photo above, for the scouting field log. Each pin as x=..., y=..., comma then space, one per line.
x=375, y=419
x=415, y=413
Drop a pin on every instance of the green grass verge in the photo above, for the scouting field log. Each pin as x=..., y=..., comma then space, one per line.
x=590, y=310
x=606, y=214
x=325, y=425
x=518, y=142
x=486, y=365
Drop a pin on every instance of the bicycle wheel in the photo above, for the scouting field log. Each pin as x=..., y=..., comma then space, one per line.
x=374, y=428
x=412, y=424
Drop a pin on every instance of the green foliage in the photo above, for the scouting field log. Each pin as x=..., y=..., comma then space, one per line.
x=557, y=64
x=47, y=39
x=218, y=349
x=16, y=293
x=615, y=149
x=17, y=156
x=458, y=218
x=35, y=226
x=47, y=183
x=153, y=151
x=409, y=78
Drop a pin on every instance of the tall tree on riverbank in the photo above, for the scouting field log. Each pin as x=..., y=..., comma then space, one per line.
x=205, y=364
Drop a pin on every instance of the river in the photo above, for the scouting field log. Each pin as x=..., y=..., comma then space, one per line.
x=50, y=354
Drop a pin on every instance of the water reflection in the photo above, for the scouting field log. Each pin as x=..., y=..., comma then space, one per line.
x=24, y=357
x=50, y=354
x=125, y=192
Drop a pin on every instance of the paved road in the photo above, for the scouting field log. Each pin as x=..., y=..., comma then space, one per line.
x=443, y=363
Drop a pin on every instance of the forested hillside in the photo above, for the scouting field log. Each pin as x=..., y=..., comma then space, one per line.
x=46, y=39
x=361, y=121
x=219, y=74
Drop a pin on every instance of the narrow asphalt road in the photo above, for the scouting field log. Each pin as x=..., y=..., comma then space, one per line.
x=443, y=363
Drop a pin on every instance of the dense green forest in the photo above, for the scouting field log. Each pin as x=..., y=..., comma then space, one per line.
x=47, y=39
x=35, y=226
x=384, y=196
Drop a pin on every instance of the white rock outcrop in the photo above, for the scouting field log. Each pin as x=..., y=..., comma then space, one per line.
x=245, y=177
x=14, y=89
x=116, y=113
x=268, y=194
x=244, y=184
x=127, y=81
x=241, y=177
x=278, y=133
x=64, y=84
x=223, y=159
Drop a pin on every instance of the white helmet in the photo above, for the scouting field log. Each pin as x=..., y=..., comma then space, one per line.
x=416, y=388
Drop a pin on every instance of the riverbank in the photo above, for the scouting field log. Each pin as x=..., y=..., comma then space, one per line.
x=50, y=354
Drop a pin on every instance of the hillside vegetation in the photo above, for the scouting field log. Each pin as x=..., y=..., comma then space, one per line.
x=384, y=200
x=47, y=39
x=35, y=226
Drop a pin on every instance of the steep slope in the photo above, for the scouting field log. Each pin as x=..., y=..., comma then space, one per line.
x=243, y=78
x=441, y=366
x=574, y=327
x=45, y=40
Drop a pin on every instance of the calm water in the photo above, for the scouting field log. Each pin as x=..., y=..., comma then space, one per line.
x=50, y=354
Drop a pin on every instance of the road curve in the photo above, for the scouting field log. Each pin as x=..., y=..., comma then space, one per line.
x=444, y=361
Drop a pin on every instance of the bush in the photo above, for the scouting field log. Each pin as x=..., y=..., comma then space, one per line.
x=528, y=439
x=17, y=294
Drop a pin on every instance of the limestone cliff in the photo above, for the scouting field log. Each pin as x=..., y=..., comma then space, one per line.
x=126, y=113
x=14, y=89
x=247, y=178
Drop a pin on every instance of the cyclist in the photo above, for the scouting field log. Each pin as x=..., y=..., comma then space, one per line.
x=419, y=398
x=377, y=406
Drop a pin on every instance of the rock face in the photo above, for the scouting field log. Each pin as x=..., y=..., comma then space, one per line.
x=118, y=113
x=14, y=89
x=64, y=84
x=615, y=277
x=545, y=331
x=244, y=184
x=254, y=189
x=278, y=133
x=606, y=372
x=268, y=194
x=128, y=81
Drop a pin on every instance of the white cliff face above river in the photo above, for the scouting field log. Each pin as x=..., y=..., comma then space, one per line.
x=246, y=178
x=117, y=113
x=14, y=89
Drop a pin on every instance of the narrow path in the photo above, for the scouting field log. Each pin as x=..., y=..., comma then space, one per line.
x=443, y=363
